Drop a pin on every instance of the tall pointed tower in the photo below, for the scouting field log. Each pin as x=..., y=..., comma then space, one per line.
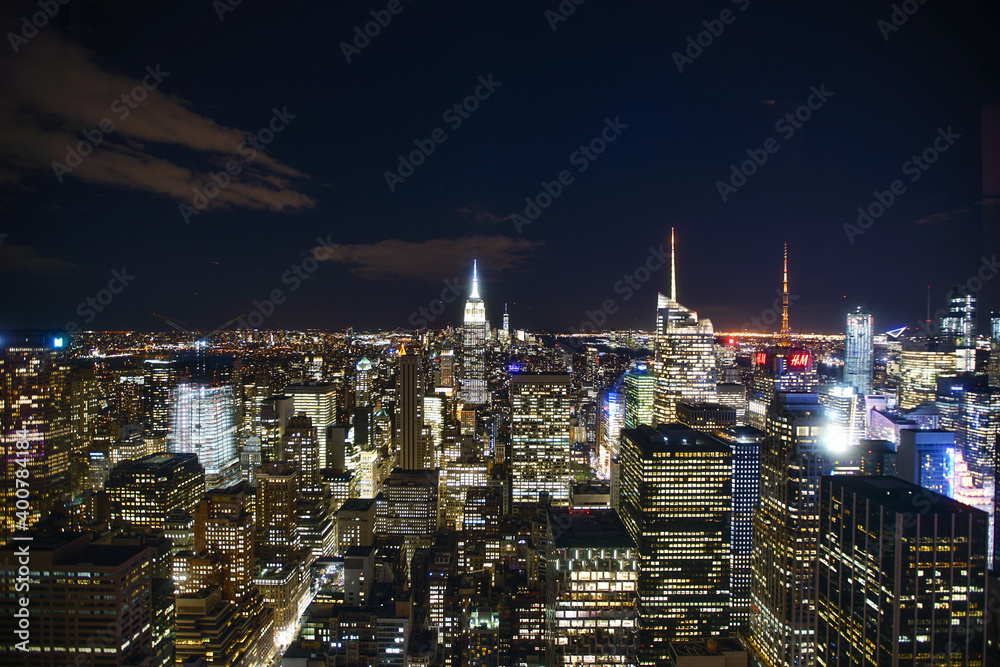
x=685, y=353
x=474, y=334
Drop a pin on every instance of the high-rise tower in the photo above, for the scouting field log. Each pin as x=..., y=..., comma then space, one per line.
x=411, y=454
x=859, y=352
x=474, y=334
x=685, y=357
x=202, y=422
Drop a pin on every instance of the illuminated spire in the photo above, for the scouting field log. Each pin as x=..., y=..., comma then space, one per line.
x=673, y=271
x=784, y=299
x=475, y=282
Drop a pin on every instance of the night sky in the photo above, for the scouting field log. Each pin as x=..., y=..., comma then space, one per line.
x=606, y=67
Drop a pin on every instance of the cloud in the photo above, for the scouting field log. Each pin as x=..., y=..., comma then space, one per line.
x=23, y=259
x=481, y=215
x=946, y=216
x=431, y=260
x=55, y=91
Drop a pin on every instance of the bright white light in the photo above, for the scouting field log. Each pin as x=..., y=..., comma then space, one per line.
x=836, y=438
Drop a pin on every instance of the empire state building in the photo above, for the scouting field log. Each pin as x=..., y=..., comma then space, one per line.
x=474, y=333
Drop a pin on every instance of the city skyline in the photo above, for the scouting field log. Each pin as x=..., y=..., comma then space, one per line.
x=560, y=179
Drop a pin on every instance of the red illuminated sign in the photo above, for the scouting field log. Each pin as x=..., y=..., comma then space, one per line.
x=761, y=358
x=799, y=360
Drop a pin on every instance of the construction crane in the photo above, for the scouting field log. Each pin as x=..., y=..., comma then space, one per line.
x=176, y=324
x=200, y=341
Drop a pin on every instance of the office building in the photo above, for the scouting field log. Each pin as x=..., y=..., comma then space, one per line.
x=224, y=527
x=143, y=493
x=844, y=411
x=706, y=417
x=540, y=437
x=593, y=582
x=202, y=422
x=970, y=407
x=685, y=357
x=355, y=524
x=301, y=448
x=475, y=332
x=901, y=575
x=878, y=457
x=215, y=632
x=927, y=459
x=859, y=352
x=733, y=395
x=363, y=382
x=318, y=400
x=675, y=499
x=84, y=600
x=612, y=418
x=411, y=446
x=959, y=327
x=640, y=391
x=745, y=443
x=919, y=370
x=408, y=503
x=794, y=457
x=776, y=370
x=36, y=427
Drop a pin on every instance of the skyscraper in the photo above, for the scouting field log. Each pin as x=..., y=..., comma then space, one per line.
x=202, y=422
x=540, y=438
x=994, y=362
x=959, y=326
x=411, y=450
x=640, y=390
x=100, y=604
x=318, y=400
x=777, y=370
x=902, y=575
x=224, y=527
x=783, y=559
x=745, y=442
x=593, y=584
x=363, y=382
x=300, y=447
x=612, y=422
x=145, y=492
x=675, y=499
x=926, y=458
x=36, y=429
x=474, y=335
x=859, y=351
x=685, y=356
